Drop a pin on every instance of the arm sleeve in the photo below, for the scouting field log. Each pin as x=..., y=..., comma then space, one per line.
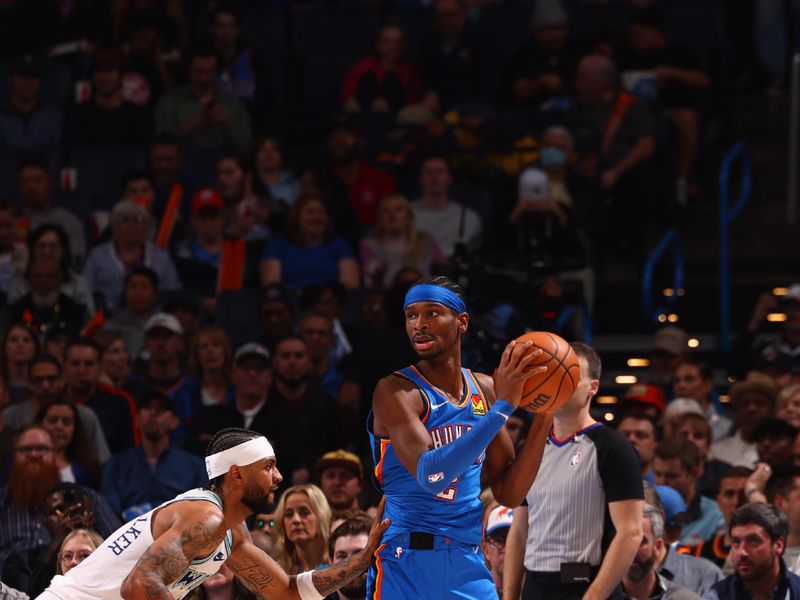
x=619, y=466
x=437, y=468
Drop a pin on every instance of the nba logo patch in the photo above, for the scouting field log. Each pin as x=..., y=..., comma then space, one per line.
x=478, y=405
x=575, y=460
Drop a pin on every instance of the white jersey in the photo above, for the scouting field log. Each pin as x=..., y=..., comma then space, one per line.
x=101, y=574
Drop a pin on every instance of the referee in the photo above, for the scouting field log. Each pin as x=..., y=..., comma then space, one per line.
x=580, y=523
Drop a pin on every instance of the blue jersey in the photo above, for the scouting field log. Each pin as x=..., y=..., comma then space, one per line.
x=455, y=512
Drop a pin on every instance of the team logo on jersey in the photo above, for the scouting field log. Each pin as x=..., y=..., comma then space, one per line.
x=436, y=477
x=575, y=460
x=478, y=405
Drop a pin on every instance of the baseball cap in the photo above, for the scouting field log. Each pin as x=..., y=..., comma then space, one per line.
x=674, y=506
x=646, y=393
x=251, y=349
x=275, y=291
x=153, y=397
x=341, y=458
x=672, y=340
x=206, y=198
x=499, y=517
x=683, y=406
x=533, y=184
x=164, y=321
x=26, y=64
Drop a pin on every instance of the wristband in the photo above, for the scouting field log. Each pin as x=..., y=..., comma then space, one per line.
x=305, y=587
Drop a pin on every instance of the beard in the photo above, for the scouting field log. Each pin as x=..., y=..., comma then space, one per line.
x=757, y=571
x=257, y=501
x=355, y=589
x=30, y=483
x=641, y=568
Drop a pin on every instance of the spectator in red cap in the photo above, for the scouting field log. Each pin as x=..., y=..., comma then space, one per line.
x=646, y=398
x=198, y=259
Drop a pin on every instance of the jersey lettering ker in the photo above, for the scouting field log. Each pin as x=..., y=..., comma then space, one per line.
x=456, y=511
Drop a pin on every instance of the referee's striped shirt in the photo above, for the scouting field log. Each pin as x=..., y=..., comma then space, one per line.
x=568, y=518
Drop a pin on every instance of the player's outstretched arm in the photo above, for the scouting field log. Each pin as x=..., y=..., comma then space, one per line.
x=265, y=577
x=194, y=534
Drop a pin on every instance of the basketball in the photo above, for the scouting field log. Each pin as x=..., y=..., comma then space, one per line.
x=545, y=392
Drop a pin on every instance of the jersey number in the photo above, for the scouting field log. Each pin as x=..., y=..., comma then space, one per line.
x=449, y=493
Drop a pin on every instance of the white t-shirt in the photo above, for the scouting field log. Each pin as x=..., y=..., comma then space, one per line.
x=444, y=225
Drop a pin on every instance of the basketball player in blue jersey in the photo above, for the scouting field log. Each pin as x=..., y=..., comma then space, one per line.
x=434, y=426
x=169, y=551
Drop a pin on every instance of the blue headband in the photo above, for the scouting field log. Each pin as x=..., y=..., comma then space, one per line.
x=426, y=292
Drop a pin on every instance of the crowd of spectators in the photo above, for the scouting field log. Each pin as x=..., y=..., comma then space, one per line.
x=239, y=273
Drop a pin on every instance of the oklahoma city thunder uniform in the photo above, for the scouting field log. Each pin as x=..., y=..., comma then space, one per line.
x=432, y=547
x=101, y=574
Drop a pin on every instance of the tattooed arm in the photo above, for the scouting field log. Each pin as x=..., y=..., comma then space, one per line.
x=193, y=534
x=267, y=579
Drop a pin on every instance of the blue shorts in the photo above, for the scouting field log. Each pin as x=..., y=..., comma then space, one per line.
x=450, y=570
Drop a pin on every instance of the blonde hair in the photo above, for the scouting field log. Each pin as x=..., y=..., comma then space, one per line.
x=91, y=535
x=284, y=551
x=417, y=241
x=786, y=394
x=216, y=334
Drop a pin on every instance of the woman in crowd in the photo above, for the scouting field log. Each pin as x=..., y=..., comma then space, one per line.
x=109, y=264
x=385, y=81
x=74, y=457
x=310, y=254
x=787, y=405
x=271, y=177
x=77, y=545
x=51, y=241
x=20, y=345
x=396, y=243
x=210, y=363
x=302, y=529
x=139, y=304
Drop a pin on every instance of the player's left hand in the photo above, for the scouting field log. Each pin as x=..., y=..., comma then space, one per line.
x=379, y=526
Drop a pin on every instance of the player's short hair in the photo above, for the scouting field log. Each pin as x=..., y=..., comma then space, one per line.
x=589, y=354
x=357, y=525
x=225, y=439
x=444, y=282
x=772, y=519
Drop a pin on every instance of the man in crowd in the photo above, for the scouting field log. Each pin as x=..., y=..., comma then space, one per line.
x=139, y=479
x=199, y=114
x=783, y=490
x=693, y=379
x=26, y=125
x=643, y=581
x=758, y=540
x=246, y=213
x=276, y=312
x=341, y=478
x=303, y=420
x=774, y=439
x=163, y=344
x=495, y=531
x=35, y=192
x=33, y=474
x=316, y=328
x=448, y=222
x=347, y=540
x=670, y=345
x=66, y=507
x=365, y=184
x=678, y=463
x=641, y=431
x=114, y=408
x=165, y=162
x=44, y=386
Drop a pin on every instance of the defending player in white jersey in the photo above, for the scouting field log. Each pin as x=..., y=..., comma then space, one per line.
x=169, y=551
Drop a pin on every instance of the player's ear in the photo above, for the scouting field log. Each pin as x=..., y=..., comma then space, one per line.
x=463, y=322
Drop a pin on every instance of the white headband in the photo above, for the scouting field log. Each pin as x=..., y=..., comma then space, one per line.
x=241, y=456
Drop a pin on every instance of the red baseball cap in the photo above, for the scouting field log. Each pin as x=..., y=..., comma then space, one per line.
x=646, y=393
x=206, y=198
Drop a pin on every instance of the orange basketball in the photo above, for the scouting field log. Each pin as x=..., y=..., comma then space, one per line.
x=545, y=392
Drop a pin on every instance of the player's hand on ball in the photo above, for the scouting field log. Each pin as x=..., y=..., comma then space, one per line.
x=379, y=526
x=516, y=366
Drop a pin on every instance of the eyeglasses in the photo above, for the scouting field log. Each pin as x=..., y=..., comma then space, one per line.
x=68, y=556
x=261, y=523
x=36, y=449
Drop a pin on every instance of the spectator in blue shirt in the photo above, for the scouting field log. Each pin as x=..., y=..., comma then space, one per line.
x=310, y=254
x=138, y=479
